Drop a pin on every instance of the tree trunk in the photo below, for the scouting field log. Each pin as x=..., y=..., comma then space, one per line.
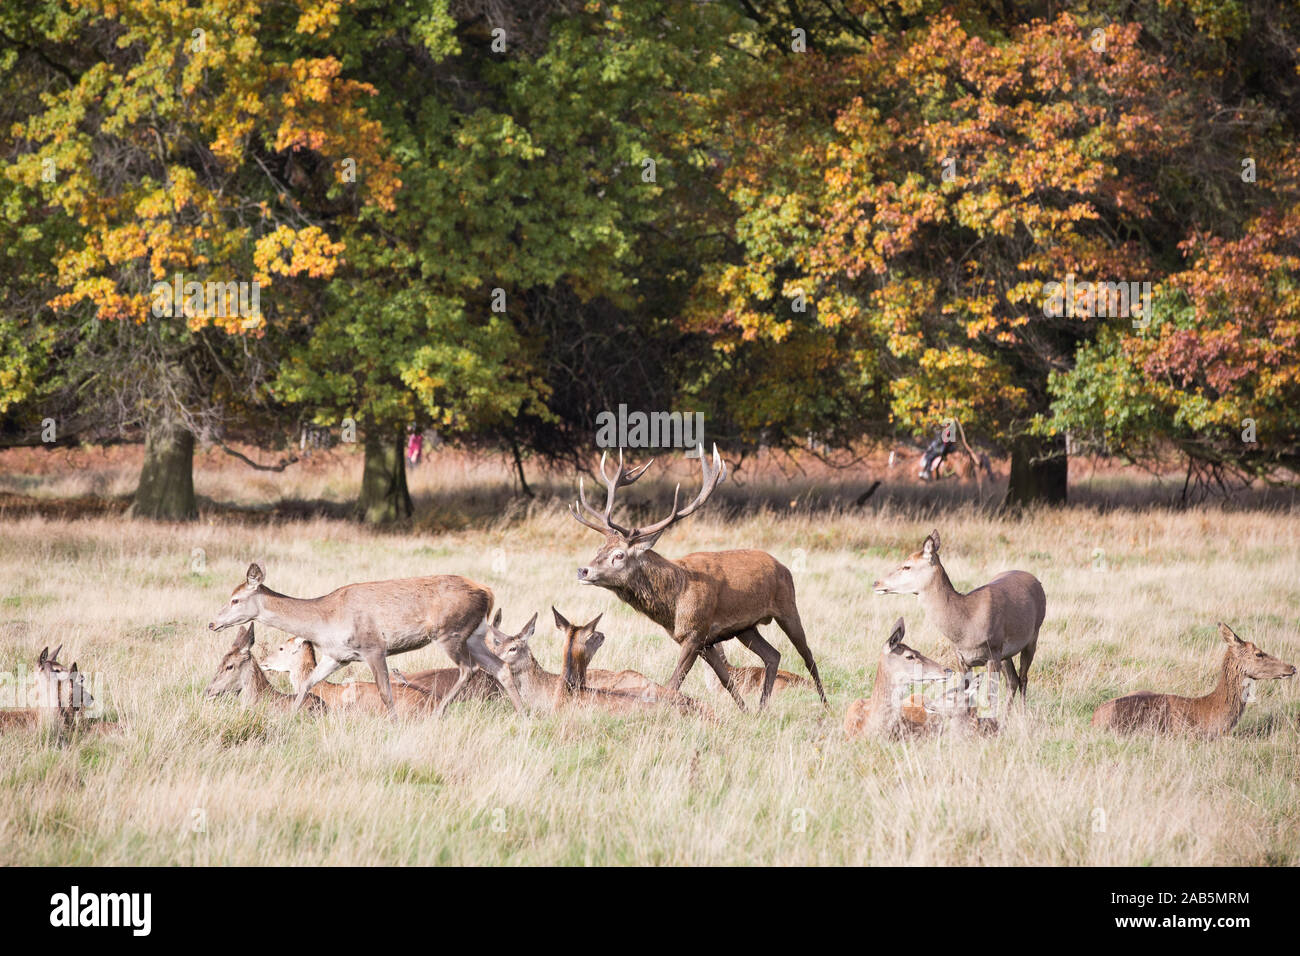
x=384, y=495
x=166, y=489
x=1040, y=471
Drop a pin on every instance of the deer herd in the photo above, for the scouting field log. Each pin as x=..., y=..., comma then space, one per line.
x=701, y=600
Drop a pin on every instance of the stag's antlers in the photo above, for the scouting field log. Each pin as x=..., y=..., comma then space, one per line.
x=711, y=478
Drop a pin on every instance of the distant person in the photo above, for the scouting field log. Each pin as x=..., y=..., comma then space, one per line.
x=414, y=446
x=935, y=453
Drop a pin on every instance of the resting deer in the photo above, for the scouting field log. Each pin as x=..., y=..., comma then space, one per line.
x=296, y=658
x=368, y=622
x=701, y=599
x=1213, y=715
x=239, y=674
x=749, y=679
x=581, y=644
x=990, y=625
x=545, y=691
x=896, y=709
x=59, y=697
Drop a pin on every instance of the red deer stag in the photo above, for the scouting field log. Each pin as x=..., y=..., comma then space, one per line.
x=701, y=599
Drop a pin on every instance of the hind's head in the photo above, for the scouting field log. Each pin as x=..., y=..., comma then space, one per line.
x=59, y=686
x=581, y=642
x=1253, y=662
x=512, y=648
x=245, y=602
x=917, y=572
x=229, y=676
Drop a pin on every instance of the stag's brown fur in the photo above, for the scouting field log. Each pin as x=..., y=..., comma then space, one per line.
x=1213, y=715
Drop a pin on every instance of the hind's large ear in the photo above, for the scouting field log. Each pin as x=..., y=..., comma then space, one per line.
x=531, y=626
x=590, y=626
x=496, y=621
x=930, y=549
x=560, y=621
x=255, y=575
x=896, y=635
x=1228, y=635
x=45, y=655
x=244, y=639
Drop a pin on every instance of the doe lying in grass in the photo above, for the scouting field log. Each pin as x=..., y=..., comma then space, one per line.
x=895, y=709
x=239, y=674
x=296, y=658
x=1214, y=714
x=59, y=697
x=544, y=691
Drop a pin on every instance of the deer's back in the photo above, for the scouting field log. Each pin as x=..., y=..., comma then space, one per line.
x=437, y=683
x=1143, y=710
x=408, y=612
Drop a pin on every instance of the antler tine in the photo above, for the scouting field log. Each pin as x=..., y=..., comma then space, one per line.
x=620, y=479
x=710, y=482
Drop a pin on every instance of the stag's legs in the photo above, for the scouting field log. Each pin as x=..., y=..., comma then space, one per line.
x=691, y=648
x=768, y=654
x=714, y=657
x=793, y=628
x=325, y=665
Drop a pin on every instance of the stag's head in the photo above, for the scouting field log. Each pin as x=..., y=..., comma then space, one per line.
x=229, y=676
x=1253, y=662
x=581, y=642
x=245, y=601
x=916, y=573
x=59, y=686
x=513, y=649
x=619, y=557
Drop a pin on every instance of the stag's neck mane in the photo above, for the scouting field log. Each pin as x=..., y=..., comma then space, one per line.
x=654, y=589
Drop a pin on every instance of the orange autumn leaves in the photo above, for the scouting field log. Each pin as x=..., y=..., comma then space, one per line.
x=956, y=174
x=168, y=158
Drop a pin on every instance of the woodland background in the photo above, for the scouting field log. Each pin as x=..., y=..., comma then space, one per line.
x=911, y=173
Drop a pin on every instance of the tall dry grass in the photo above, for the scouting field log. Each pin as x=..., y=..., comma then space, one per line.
x=1133, y=596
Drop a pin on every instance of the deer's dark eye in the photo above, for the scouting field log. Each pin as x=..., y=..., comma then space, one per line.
x=618, y=555
x=1259, y=654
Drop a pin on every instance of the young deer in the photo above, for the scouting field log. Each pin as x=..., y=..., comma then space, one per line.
x=990, y=625
x=59, y=696
x=368, y=622
x=701, y=599
x=545, y=691
x=581, y=644
x=749, y=679
x=1214, y=714
x=895, y=709
x=296, y=658
x=239, y=673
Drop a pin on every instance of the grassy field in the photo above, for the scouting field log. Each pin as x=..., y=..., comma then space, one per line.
x=1133, y=596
